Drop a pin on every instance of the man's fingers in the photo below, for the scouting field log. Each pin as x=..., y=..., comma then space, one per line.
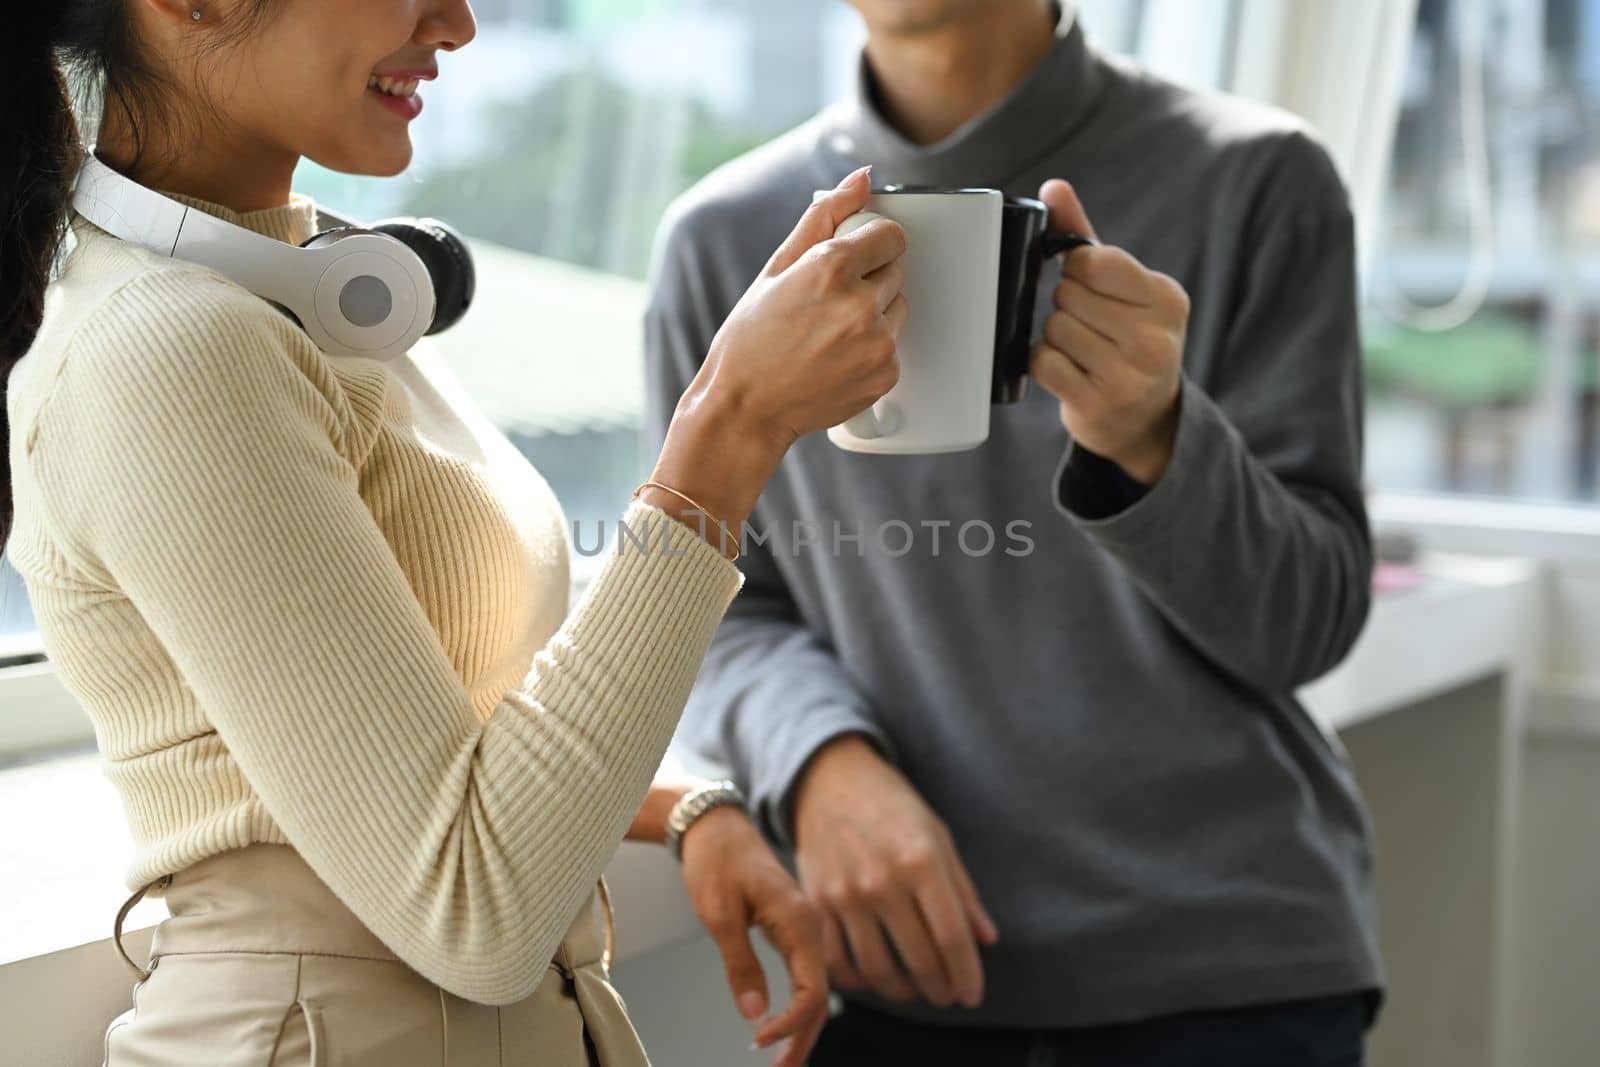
x=1066, y=210
x=1083, y=329
x=873, y=959
x=1090, y=351
x=1114, y=273
x=841, y=968
x=982, y=923
x=915, y=944
x=941, y=909
x=1106, y=315
x=745, y=977
x=1062, y=379
x=821, y=219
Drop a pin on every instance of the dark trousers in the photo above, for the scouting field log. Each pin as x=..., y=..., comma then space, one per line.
x=1325, y=1032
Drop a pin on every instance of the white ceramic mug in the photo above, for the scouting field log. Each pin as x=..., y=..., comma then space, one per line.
x=952, y=261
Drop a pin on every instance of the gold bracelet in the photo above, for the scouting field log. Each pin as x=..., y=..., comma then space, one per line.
x=722, y=528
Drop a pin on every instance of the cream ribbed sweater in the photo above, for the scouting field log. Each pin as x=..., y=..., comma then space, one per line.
x=321, y=601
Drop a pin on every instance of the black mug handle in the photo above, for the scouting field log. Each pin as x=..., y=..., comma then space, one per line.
x=1053, y=244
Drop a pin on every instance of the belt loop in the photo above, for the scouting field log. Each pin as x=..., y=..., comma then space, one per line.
x=122, y=914
x=610, y=918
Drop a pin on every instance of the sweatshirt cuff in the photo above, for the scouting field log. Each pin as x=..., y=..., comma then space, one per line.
x=774, y=803
x=1150, y=514
x=1090, y=486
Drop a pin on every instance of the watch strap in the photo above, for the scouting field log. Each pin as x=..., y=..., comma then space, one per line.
x=695, y=804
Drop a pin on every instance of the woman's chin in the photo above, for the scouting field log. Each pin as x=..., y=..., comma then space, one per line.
x=381, y=156
x=391, y=155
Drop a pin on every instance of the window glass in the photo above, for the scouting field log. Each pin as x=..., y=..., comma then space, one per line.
x=1491, y=223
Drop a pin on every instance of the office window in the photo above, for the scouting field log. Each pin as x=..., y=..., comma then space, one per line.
x=1492, y=218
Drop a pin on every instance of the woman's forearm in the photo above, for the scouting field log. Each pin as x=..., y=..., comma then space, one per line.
x=719, y=459
x=650, y=824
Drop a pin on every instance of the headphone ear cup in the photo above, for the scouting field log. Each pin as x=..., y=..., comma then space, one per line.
x=444, y=252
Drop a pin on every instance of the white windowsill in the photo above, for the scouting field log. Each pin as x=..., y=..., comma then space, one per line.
x=64, y=863
x=37, y=714
x=1551, y=533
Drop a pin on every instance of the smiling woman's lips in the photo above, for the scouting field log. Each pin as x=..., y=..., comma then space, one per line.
x=397, y=89
x=407, y=107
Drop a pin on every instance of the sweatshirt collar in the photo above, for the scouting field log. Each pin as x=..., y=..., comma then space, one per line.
x=991, y=148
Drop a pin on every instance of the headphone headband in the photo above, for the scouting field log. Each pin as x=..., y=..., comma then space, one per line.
x=355, y=292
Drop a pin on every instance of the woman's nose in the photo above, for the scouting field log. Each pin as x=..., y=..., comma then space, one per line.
x=447, y=24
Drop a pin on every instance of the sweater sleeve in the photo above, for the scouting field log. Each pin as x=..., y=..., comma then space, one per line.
x=1266, y=467
x=198, y=466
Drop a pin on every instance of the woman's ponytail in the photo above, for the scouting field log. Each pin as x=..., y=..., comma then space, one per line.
x=39, y=157
x=93, y=46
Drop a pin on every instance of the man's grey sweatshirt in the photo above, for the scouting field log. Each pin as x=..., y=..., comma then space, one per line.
x=1101, y=703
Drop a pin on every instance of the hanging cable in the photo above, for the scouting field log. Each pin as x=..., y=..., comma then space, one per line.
x=1474, y=291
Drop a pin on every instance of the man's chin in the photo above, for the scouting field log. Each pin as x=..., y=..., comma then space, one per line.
x=911, y=17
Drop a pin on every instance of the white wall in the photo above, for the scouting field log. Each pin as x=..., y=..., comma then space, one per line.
x=1556, y=976
x=1555, y=972
x=1556, y=969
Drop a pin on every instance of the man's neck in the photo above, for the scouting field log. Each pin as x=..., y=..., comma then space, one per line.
x=931, y=81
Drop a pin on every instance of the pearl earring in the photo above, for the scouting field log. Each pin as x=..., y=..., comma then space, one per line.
x=195, y=14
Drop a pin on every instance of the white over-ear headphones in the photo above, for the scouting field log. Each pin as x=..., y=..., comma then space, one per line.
x=356, y=291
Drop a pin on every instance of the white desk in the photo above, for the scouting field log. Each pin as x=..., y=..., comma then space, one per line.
x=1469, y=617
x=1428, y=705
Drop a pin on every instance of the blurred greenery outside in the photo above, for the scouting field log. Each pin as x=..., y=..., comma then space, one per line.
x=580, y=170
x=1495, y=360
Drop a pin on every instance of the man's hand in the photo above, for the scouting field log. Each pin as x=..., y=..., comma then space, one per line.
x=1113, y=348
x=735, y=882
x=875, y=858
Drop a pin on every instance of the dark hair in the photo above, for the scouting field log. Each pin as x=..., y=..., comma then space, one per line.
x=61, y=46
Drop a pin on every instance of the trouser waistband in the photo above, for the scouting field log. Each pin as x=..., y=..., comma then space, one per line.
x=264, y=897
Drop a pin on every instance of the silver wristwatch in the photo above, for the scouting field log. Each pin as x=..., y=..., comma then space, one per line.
x=695, y=803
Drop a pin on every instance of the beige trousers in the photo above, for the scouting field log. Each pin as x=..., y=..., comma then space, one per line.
x=260, y=965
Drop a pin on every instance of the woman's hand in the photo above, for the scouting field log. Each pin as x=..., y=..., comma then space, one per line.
x=735, y=882
x=811, y=343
